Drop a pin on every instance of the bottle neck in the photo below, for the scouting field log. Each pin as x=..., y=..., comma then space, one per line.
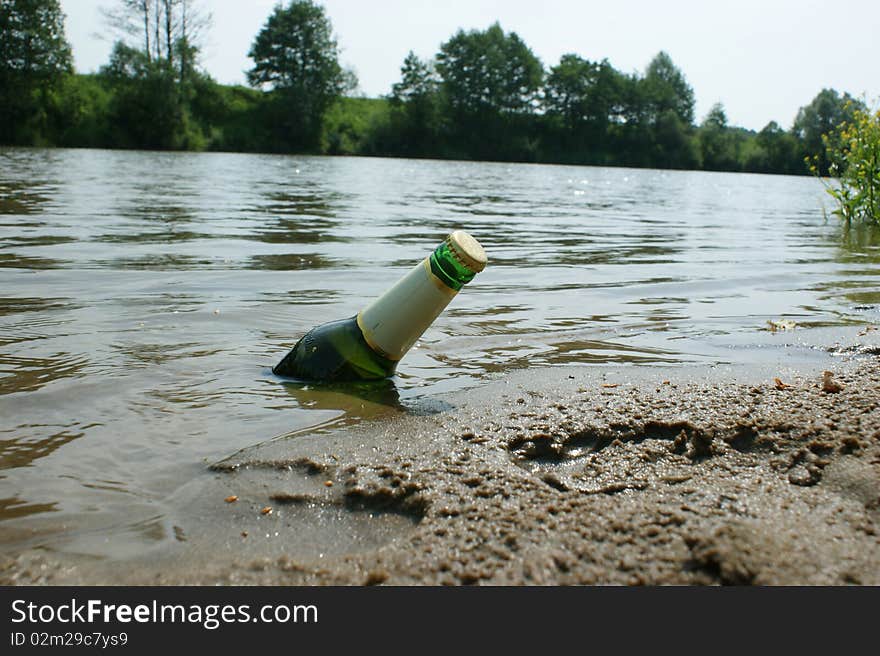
x=448, y=269
x=393, y=322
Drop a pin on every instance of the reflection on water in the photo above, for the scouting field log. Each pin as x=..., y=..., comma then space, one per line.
x=291, y=262
x=22, y=197
x=144, y=298
x=13, y=507
x=859, y=282
x=148, y=355
x=367, y=398
x=10, y=305
x=860, y=241
x=344, y=404
x=22, y=374
x=297, y=231
x=13, y=261
x=31, y=442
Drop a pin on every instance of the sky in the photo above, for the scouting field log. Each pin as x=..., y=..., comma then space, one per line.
x=762, y=59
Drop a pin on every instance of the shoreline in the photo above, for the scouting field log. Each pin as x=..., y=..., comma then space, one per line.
x=566, y=475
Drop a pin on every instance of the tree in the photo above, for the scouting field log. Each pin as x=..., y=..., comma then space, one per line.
x=584, y=92
x=716, y=118
x=167, y=32
x=152, y=72
x=489, y=72
x=607, y=97
x=567, y=90
x=416, y=107
x=582, y=99
x=296, y=58
x=490, y=84
x=674, y=144
x=823, y=116
x=717, y=142
x=652, y=117
x=776, y=152
x=665, y=88
x=418, y=80
x=145, y=111
x=34, y=59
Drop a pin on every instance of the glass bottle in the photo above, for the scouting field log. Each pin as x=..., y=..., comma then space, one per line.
x=370, y=344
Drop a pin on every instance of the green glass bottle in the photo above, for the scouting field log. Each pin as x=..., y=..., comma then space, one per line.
x=370, y=344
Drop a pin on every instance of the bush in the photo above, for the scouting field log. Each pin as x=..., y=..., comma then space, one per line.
x=351, y=126
x=854, y=156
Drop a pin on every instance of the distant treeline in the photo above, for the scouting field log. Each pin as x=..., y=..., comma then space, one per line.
x=483, y=96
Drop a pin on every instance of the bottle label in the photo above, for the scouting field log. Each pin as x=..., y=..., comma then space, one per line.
x=393, y=322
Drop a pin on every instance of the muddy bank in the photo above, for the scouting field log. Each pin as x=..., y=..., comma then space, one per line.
x=569, y=475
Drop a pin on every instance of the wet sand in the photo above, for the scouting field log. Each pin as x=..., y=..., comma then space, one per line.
x=569, y=475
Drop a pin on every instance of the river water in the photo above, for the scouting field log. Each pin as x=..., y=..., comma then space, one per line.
x=144, y=298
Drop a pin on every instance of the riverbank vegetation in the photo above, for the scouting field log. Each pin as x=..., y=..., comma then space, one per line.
x=853, y=155
x=485, y=95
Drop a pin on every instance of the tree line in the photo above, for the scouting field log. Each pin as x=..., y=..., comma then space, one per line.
x=484, y=95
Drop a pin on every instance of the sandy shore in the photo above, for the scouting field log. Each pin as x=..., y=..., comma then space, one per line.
x=569, y=475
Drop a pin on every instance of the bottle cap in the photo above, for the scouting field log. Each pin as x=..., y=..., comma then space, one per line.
x=467, y=250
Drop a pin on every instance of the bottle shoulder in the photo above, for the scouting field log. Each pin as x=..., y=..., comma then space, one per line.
x=334, y=351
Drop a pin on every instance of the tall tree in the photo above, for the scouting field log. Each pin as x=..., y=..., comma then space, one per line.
x=717, y=143
x=665, y=88
x=418, y=79
x=152, y=71
x=296, y=58
x=491, y=83
x=416, y=107
x=145, y=110
x=673, y=143
x=567, y=90
x=584, y=92
x=34, y=58
x=163, y=30
x=133, y=18
x=490, y=71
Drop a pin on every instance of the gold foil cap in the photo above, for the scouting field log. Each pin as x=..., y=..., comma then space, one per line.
x=467, y=250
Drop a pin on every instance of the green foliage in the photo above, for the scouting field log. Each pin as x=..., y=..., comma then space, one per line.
x=823, y=116
x=567, y=90
x=718, y=144
x=674, y=143
x=773, y=150
x=490, y=82
x=297, y=59
x=609, y=117
x=418, y=80
x=83, y=112
x=416, y=122
x=582, y=93
x=484, y=95
x=149, y=106
x=665, y=115
x=665, y=88
x=35, y=59
x=351, y=126
x=489, y=72
x=231, y=116
x=853, y=153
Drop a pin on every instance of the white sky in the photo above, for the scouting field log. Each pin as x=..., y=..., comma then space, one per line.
x=763, y=59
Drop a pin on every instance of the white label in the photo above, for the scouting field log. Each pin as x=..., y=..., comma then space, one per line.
x=393, y=322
